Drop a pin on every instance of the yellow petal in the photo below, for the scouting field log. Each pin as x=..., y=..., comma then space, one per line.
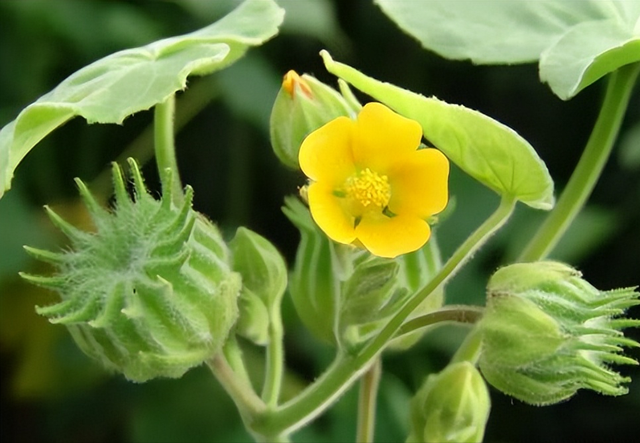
x=419, y=185
x=383, y=138
x=326, y=156
x=390, y=237
x=330, y=215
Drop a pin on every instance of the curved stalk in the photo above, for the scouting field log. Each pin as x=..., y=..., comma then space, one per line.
x=590, y=166
x=164, y=146
x=450, y=313
x=275, y=361
x=246, y=400
x=367, y=402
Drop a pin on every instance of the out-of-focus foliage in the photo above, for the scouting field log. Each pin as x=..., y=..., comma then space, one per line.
x=51, y=392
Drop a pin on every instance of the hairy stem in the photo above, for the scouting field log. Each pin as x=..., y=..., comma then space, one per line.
x=450, y=313
x=453, y=265
x=246, y=400
x=275, y=361
x=188, y=105
x=367, y=402
x=470, y=348
x=590, y=166
x=164, y=145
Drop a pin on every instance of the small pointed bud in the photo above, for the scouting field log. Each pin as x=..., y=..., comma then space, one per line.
x=451, y=406
x=151, y=293
x=303, y=105
x=547, y=333
x=264, y=280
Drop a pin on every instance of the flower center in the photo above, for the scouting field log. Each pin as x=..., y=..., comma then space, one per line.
x=369, y=189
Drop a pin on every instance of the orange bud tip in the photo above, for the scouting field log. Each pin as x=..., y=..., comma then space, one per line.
x=291, y=79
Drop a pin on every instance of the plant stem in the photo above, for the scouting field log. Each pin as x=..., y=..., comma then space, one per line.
x=233, y=356
x=453, y=265
x=275, y=360
x=367, y=402
x=164, y=146
x=246, y=400
x=590, y=166
x=450, y=313
x=190, y=104
x=347, y=368
x=470, y=348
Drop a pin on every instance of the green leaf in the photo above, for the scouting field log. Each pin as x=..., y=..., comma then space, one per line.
x=576, y=42
x=133, y=80
x=586, y=53
x=487, y=150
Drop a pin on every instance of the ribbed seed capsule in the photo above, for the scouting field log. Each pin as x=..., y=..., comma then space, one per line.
x=151, y=292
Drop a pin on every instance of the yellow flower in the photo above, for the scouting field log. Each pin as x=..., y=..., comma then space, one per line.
x=370, y=184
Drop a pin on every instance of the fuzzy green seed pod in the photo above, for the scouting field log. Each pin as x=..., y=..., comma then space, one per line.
x=151, y=292
x=547, y=333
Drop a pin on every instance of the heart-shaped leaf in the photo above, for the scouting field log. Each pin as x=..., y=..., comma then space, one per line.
x=133, y=80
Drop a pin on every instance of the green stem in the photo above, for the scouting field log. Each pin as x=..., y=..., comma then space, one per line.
x=451, y=313
x=233, y=354
x=246, y=400
x=347, y=368
x=275, y=361
x=367, y=402
x=453, y=265
x=590, y=166
x=164, y=145
x=190, y=104
x=470, y=348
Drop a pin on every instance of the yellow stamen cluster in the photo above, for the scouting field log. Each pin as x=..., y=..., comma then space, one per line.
x=369, y=188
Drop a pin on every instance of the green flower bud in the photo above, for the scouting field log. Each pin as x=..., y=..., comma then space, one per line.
x=368, y=297
x=303, y=105
x=264, y=280
x=451, y=406
x=150, y=293
x=547, y=333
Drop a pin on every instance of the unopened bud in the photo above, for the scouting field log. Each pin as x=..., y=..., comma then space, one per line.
x=264, y=280
x=451, y=406
x=303, y=105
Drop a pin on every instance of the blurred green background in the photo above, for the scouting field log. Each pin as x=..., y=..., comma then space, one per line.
x=53, y=393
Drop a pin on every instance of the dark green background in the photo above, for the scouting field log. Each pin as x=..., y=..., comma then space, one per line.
x=52, y=393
